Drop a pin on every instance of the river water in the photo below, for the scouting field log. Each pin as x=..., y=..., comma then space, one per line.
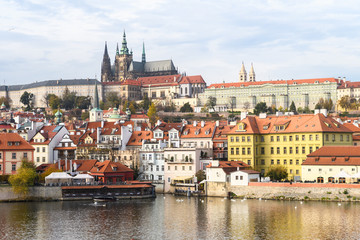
x=169, y=217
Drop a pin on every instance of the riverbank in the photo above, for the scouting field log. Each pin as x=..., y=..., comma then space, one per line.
x=287, y=191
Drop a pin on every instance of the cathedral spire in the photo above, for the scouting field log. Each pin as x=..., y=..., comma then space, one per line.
x=124, y=48
x=143, y=58
x=106, y=74
x=117, y=49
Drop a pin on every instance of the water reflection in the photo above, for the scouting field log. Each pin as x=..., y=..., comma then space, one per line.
x=180, y=218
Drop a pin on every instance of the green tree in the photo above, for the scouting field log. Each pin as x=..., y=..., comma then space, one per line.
x=68, y=99
x=344, y=102
x=292, y=107
x=85, y=115
x=260, y=108
x=83, y=102
x=6, y=101
x=300, y=110
x=152, y=114
x=132, y=108
x=146, y=102
x=211, y=103
x=112, y=100
x=24, y=178
x=328, y=104
x=54, y=101
x=307, y=110
x=27, y=99
x=200, y=175
x=186, y=108
x=277, y=173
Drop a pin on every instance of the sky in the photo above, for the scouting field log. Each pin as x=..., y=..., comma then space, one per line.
x=64, y=39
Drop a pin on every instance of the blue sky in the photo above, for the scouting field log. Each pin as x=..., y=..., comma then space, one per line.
x=43, y=40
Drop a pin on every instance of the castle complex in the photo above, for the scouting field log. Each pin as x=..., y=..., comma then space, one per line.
x=125, y=67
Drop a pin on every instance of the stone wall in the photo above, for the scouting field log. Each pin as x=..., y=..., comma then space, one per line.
x=286, y=191
x=45, y=193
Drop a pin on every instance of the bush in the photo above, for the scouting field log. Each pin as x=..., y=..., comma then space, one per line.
x=4, y=178
x=277, y=173
x=346, y=191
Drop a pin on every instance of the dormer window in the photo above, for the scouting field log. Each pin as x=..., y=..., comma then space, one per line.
x=265, y=127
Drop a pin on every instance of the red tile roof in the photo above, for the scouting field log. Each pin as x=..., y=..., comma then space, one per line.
x=230, y=166
x=295, y=123
x=160, y=80
x=192, y=79
x=191, y=131
x=334, y=155
x=11, y=138
x=288, y=82
x=109, y=167
x=138, y=136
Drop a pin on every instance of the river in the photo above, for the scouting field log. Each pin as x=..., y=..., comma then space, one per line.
x=169, y=217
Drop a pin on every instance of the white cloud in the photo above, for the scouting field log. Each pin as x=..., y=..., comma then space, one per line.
x=285, y=39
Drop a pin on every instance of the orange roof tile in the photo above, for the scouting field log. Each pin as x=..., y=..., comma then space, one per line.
x=334, y=155
x=138, y=136
x=288, y=82
x=9, y=141
x=191, y=131
x=109, y=167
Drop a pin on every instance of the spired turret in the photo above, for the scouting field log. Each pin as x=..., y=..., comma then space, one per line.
x=143, y=57
x=242, y=74
x=106, y=74
x=96, y=114
x=252, y=74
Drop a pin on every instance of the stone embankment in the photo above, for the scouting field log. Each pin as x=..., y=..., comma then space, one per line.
x=287, y=191
x=35, y=193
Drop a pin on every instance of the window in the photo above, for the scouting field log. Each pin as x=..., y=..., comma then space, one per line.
x=310, y=137
x=296, y=137
x=236, y=177
x=248, y=151
x=348, y=138
x=272, y=138
x=290, y=138
x=326, y=137
x=272, y=150
x=310, y=149
x=262, y=161
x=37, y=159
x=162, y=167
x=38, y=149
x=278, y=138
x=25, y=155
x=285, y=162
x=0, y=167
x=237, y=151
x=43, y=149
x=43, y=159
x=333, y=137
x=262, y=139
x=183, y=168
x=0, y=155
x=243, y=151
x=243, y=139
x=285, y=150
x=303, y=150
x=237, y=139
x=317, y=137
x=241, y=177
x=232, y=139
x=309, y=169
x=232, y=151
x=297, y=150
x=13, y=167
x=284, y=138
x=13, y=155
x=249, y=162
x=297, y=161
x=341, y=138
x=291, y=161
x=297, y=172
x=272, y=161
x=262, y=150
x=169, y=168
x=248, y=139
x=278, y=161
x=290, y=150
x=278, y=150
x=157, y=168
x=175, y=168
x=303, y=137
x=190, y=168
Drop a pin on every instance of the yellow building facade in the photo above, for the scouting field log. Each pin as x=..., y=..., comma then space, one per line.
x=283, y=140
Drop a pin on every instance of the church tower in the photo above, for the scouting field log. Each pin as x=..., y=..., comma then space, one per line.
x=252, y=74
x=106, y=74
x=122, y=61
x=242, y=73
x=96, y=114
x=143, y=57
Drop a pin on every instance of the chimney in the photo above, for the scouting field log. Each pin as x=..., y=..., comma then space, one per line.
x=202, y=124
x=316, y=111
x=217, y=123
x=243, y=115
x=195, y=123
x=98, y=132
x=324, y=112
x=102, y=124
x=279, y=114
x=262, y=115
x=175, y=79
